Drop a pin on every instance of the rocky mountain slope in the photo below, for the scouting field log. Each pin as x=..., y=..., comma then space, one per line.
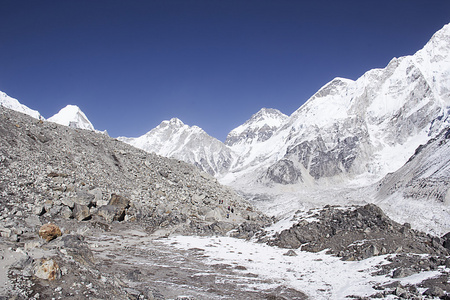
x=191, y=144
x=85, y=181
x=87, y=216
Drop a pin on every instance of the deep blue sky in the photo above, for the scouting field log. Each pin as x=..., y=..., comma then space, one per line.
x=213, y=63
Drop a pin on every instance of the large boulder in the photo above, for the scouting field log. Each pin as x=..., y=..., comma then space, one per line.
x=49, y=232
x=81, y=212
x=111, y=213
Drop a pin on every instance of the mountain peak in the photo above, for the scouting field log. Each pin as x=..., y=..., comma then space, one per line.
x=14, y=104
x=72, y=116
x=259, y=127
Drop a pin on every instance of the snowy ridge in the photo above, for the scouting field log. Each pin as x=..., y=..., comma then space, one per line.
x=72, y=116
x=191, y=144
x=14, y=104
x=359, y=130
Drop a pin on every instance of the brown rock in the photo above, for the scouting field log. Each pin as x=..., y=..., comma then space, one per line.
x=47, y=269
x=49, y=232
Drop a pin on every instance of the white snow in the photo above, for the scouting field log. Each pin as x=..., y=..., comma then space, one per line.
x=14, y=104
x=319, y=275
x=72, y=116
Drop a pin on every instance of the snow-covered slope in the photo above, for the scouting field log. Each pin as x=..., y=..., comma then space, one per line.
x=14, y=104
x=191, y=144
x=359, y=130
x=259, y=128
x=419, y=192
x=72, y=116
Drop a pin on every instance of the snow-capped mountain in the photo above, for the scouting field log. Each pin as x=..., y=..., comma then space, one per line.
x=14, y=104
x=364, y=128
x=72, y=116
x=259, y=128
x=188, y=143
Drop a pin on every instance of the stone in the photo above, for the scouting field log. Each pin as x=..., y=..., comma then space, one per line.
x=39, y=210
x=49, y=232
x=111, y=213
x=434, y=291
x=47, y=269
x=290, y=253
x=66, y=212
x=402, y=272
x=68, y=202
x=81, y=212
x=119, y=201
x=84, y=198
x=446, y=240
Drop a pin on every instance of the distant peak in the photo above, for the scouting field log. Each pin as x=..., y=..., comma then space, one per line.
x=72, y=116
x=174, y=122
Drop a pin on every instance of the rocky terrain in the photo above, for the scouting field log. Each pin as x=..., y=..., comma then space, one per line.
x=84, y=215
x=87, y=183
x=362, y=232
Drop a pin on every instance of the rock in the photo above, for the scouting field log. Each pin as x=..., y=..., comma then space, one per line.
x=5, y=232
x=47, y=269
x=39, y=210
x=49, y=232
x=66, y=212
x=98, y=195
x=402, y=272
x=111, y=213
x=446, y=240
x=290, y=253
x=81, y=212
x=84, y=198
x=78, y=248
x=119, y=201
x=434, y=291
x=68, y=202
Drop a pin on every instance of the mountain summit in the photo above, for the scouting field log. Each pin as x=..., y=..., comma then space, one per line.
x=72, y=116
x=188, y=143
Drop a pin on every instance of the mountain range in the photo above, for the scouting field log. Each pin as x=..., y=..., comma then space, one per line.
x=349, y=133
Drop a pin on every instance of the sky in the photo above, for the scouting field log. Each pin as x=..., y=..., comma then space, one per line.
x=129, y=65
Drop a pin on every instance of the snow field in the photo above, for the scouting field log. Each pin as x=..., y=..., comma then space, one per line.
x=319, y=275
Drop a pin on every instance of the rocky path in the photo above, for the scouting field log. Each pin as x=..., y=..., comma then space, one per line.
x=145, y=262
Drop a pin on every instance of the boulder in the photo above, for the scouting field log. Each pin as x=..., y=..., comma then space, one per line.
x=84, y=198
x=47, y=269
x=434, y=291
x=111, y=213
x=119, y=201
x=402, y=272
x=81, y=212
x=49, y=232
x=446, y=240
x=290, y=253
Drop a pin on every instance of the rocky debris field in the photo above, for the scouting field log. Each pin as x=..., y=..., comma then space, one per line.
x=80, y=179
x=361, y=232
x=84, y=216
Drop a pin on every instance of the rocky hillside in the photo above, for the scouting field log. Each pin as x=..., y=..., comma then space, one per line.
x=82, y=181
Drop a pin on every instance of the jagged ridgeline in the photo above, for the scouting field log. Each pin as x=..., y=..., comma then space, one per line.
x=56, y=172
